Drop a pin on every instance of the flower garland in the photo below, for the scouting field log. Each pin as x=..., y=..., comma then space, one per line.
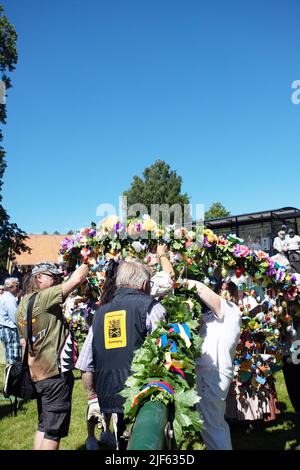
x=163, y=369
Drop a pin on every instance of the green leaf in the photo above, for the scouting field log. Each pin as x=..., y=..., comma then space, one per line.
x=189, y=398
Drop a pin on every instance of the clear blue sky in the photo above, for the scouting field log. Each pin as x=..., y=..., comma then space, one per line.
x=104, y=88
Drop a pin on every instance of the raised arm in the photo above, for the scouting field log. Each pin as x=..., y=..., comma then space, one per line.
x=77, y=278
x=208, y=296
x=161, y=253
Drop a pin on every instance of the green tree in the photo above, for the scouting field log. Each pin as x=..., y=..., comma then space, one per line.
x=45, y=232
x=12, y=238
x=160, y=185
x=215, y=211
x=56, y=232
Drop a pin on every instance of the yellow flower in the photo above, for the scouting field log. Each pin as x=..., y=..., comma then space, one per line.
x=211, y=237
x=159, y=233
x=109, y=223
x=231, y=262
x=149, y=225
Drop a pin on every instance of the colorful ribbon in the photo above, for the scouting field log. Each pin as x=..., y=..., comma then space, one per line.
x=148, y=389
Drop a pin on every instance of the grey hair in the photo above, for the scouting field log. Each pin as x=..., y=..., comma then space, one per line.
x=132, y=274
x=10, y=282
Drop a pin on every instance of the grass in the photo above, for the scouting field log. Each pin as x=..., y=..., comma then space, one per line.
x=16, y=433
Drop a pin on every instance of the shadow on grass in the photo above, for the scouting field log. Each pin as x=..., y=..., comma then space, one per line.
x=5, y=409
x=10, y=408
x=281, y=434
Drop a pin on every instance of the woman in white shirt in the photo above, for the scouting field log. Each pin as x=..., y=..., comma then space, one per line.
x=214, y=369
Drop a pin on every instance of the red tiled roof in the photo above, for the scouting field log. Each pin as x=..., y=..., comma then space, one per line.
x=43, y=248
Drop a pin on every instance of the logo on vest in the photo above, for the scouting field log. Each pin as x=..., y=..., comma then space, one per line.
x=115, y=329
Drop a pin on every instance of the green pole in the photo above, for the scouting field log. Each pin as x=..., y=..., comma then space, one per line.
x=148, y=432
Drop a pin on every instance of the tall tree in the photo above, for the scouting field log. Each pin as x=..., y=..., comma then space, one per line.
x=12, y=238
x=215, y=211
x=160, y=185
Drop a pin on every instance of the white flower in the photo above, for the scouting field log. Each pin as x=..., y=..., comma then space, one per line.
x=138, y=246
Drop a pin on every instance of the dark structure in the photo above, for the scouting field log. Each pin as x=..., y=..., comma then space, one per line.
x=258, y=229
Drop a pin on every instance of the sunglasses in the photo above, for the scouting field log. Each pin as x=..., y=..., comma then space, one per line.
x=50, y=275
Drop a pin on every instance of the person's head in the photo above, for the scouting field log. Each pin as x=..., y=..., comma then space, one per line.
x=281, y=234
x=12, y=285
x=45, y=275
x=1, y=289
x=135, y=275
x=257, y=239
x=228, y=290
x=291, y=232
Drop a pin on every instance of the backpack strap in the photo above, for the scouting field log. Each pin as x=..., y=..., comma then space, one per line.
x=29, y=326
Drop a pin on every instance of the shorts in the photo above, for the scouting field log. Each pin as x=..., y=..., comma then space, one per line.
x=10, y=338
x=54, y=405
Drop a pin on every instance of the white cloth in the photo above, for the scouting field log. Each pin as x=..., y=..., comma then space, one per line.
x=214, y=372
x=249, y=300
x=162, y=284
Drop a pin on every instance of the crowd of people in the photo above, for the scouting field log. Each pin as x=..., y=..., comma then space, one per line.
x=130, y=309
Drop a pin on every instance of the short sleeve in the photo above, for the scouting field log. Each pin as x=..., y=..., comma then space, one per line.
x=50, y=297
x=154, y=316
x=85, y=359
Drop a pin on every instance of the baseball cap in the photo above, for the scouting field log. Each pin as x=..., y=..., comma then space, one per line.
x=46, y=267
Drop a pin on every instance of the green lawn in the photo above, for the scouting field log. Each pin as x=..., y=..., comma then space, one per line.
x=16, y=433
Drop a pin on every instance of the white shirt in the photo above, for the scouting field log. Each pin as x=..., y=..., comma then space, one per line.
x=279, y=244
x=220, y=338
x=8, y=308
x=293, y=243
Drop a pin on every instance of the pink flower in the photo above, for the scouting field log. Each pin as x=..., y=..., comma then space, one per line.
x=188, y=242
x=261, y=255
x=240, y=251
